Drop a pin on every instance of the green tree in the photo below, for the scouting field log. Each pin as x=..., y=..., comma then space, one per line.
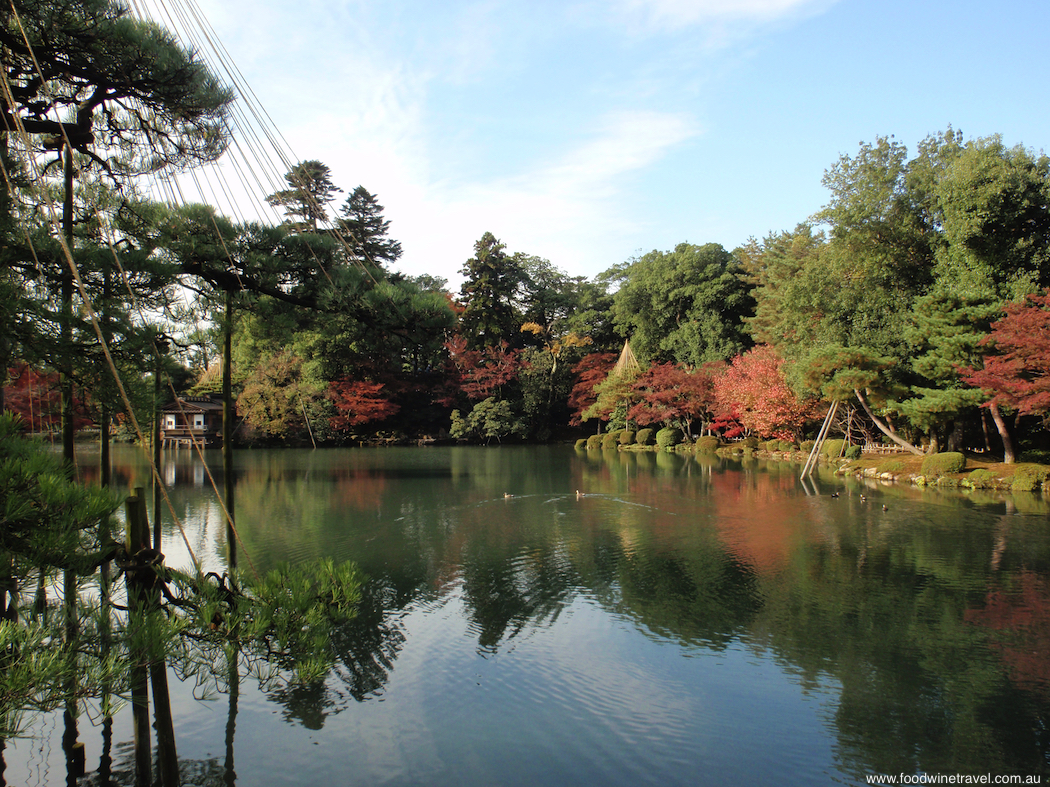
x=364, y=229
x=489, y=293
x=686, y=306
x=305, y=201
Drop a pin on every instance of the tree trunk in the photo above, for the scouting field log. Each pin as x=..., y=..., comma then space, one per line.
x=1008, y=444
x=66, y=315
x=885, y=429
x=227, y=429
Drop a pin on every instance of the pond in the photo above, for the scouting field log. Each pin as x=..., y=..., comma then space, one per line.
x=541, y=615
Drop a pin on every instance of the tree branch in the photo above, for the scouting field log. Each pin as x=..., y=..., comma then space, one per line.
x=884, y=428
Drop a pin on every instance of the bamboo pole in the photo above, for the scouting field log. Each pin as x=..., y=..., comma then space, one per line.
x=811, y=462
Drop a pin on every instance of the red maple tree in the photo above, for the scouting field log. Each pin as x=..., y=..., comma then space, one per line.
x=35, y=396
x=754, y=390
x=591, y=370
x=673, y=395
x=478, y=374
x=360, y=402
x=1017, y=368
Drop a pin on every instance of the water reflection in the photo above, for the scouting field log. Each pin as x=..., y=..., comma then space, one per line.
x=925, y=615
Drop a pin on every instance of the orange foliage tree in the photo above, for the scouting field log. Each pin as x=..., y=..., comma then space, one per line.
x=754, y=390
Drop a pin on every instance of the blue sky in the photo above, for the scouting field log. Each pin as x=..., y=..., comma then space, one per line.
x=589, y=132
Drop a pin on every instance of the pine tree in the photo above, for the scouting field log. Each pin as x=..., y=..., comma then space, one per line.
x=305, y=201
x=364, y=229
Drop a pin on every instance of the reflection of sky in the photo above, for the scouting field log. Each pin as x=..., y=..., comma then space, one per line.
x=633, y=711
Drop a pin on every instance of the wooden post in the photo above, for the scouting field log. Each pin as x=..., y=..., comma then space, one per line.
x=227, y=430
x=136, y=540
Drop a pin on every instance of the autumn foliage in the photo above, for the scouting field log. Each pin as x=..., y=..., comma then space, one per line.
x=754, y=391
x=1017, y=368
x=667, y=393
x=35, y=396
x=591, y=370
x=360, y=402
x=478, y=374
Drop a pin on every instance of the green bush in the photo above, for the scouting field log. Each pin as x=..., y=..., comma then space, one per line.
x=943, y=464
x=644, y=437
x=668, y=436
x=1028, y=478
x=981, y=478
x=627, y=437
x=594, y=442
x=707, y=444
x=833, y=448
x=1035, y=456
x=852, y=452
x=786, y=445
x=581, y=443
x=610, y=440
x=807, y=445
x=749, y=442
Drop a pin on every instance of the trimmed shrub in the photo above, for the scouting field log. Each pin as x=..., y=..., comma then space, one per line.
x=610, y=440
x=594, y=442
x=581, y=443
x=668, y=436
x=852, y=452
x=807, y=445
x=981, y=478
x=833, y=448
x=786, y=446
x=749, y=442
x=644, y=436
x=627, y=437
x=1028, y=478
x=943, y=464
x=707, y=444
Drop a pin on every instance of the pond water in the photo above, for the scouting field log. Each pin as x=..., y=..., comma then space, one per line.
x=619, y=619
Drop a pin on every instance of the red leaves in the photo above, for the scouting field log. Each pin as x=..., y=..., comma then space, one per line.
x=670, y=394
x=591, y=370
x=754, y=390
x=360, y=402
x=1018, y=370
x=36, y=398
x=480, y=373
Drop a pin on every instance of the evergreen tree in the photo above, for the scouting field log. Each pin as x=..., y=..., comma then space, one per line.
x=362, y=225
x=305, y=201
x=489, y=292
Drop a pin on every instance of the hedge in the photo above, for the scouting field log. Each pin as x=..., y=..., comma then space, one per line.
x=644, y=437
x=1028, y=478
x=627, y=437
x=943, y=464
x=707, y=444
x=852, y=452
x=833, y=448
x=668, y=436
x=581, y=443
x=610, y=440
x=981, y=478
x=594, y=442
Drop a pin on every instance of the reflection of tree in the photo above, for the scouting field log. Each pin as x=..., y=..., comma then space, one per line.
x=701, y=598
x=367, y=646
x=885, y=613
x=504, y=593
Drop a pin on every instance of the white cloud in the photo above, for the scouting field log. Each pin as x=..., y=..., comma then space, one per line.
x=573, y=210
x=671, y=14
